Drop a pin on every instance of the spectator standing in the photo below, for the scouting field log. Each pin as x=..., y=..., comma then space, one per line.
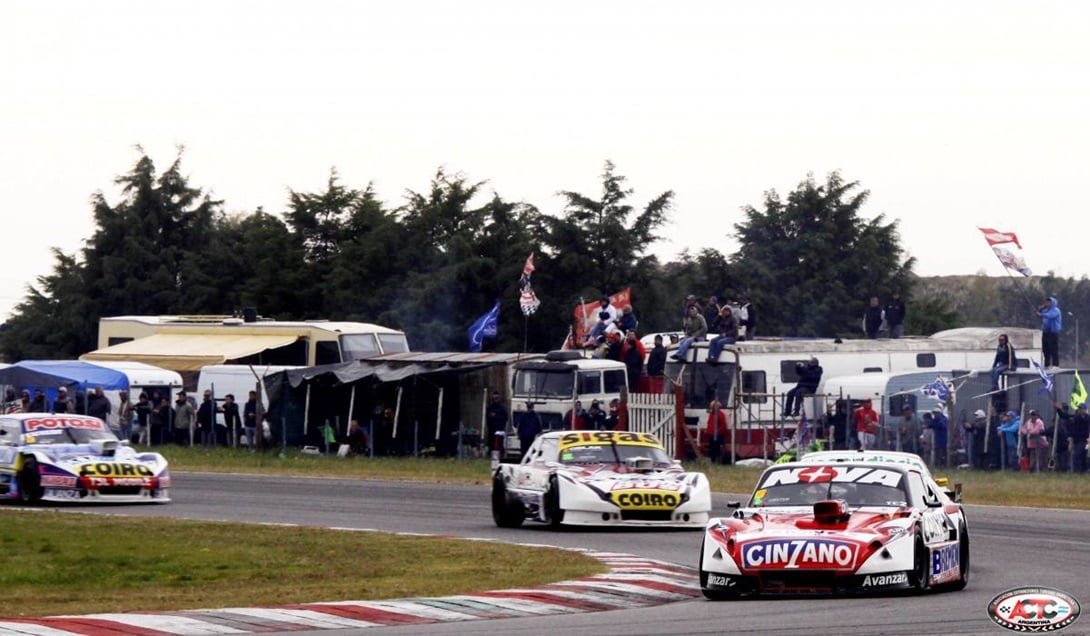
x=528, y=427
x=695, y=327
x=63, y=403
x=185, y=416
x=908, y=431
x=712, y=312
x=162, y=421
x=1036, y=441
x=98, y=405
x=809, y=379
x=1004, y=360
x=126, y=411
x=836, y=420
x=975, y=430
x=939, y=426
x=656, y=361
x=895, y=316
x=143, y=409
x=614, y=419
x=356, y=439
x=1010, y=425
x=596, y=417
x=747, y=320
x=1051, y=323
x=628, y=321
x=38, y=405
x=249, y=419
x=1061, y=455
x=865, y=419
x=727, y=326
x=716, y=431
x=576, y=417
x=495, y=417
x=231, y=420
x=632, y=355
x=206, y=420
x=872, y=318
x=1079, y=429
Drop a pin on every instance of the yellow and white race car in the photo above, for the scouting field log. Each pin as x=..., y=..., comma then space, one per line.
x=75, y=458
x=599, y=478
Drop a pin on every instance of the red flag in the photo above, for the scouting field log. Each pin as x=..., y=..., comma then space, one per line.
x=528, y=268
x=995, y=237
x=586, y=314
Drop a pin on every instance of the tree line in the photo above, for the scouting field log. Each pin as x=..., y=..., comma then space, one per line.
x=436, y=261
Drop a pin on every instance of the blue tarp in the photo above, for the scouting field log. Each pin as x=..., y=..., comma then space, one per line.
x=48, y=375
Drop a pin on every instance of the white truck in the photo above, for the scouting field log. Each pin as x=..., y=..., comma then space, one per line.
x=554, y=384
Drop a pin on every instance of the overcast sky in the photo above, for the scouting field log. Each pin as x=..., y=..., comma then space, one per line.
x=953, y=114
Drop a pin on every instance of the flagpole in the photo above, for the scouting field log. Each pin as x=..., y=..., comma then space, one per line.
x=525, y=330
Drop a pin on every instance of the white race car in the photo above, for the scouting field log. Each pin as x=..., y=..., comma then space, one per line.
x=837, y=526
x=599, y=478
x=67, y=458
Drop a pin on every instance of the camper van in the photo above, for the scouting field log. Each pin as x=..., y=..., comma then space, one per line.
x=187, y=343
x=751, y=377
x=555, y=383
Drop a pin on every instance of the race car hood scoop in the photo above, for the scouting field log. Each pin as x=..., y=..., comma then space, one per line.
x=831, y=512
x=104, y=447
x=639, y=464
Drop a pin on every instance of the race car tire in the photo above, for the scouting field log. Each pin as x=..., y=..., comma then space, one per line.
x=504, y=513
x=712, y=594
x=30, y=482
x=963, y=559
x=921, y=569
x=553, y=510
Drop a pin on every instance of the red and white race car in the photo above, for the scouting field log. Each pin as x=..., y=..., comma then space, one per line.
x=68, y=458
x=836, y=526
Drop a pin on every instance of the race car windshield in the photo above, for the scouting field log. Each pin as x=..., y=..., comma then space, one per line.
x=802, y=494
x=68, y=435
x=613, y=454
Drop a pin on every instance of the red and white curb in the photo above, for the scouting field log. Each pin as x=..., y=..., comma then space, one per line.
x=631, y=582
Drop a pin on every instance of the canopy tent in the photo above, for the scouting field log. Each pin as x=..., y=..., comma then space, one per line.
x=423, y=389
x=189, y=352
x=57, y=373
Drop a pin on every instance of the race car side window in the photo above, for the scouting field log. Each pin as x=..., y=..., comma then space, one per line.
x=923, y=494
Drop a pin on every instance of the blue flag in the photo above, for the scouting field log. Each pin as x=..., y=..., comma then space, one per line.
x=1046, y=379
x=484, y=327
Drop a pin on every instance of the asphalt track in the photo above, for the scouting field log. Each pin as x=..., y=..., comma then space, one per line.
x=1011, y=547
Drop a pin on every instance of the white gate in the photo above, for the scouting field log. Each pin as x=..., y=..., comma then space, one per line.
x=654, y=413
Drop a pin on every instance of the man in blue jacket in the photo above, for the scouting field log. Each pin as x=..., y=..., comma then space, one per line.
x=1009, y=425
x=1051, y=323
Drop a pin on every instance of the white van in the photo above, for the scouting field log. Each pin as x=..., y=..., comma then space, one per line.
x=238, y=380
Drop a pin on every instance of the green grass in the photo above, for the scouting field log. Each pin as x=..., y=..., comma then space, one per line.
x=79, y=564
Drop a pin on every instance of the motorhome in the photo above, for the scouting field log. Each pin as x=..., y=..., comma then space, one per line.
x=187, y=343
x=751, y=378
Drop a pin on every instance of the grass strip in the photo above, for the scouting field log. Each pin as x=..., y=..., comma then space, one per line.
x=61, y=563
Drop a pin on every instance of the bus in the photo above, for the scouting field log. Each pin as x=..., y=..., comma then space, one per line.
x=188, y=343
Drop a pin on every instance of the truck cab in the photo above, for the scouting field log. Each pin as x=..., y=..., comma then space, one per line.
x=555, y=383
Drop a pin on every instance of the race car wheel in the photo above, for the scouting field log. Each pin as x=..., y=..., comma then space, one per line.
x=921, y=571
x=552, y=503
x=713, y=594
x=963, y=559
x=505, y=513
x=30, y=482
